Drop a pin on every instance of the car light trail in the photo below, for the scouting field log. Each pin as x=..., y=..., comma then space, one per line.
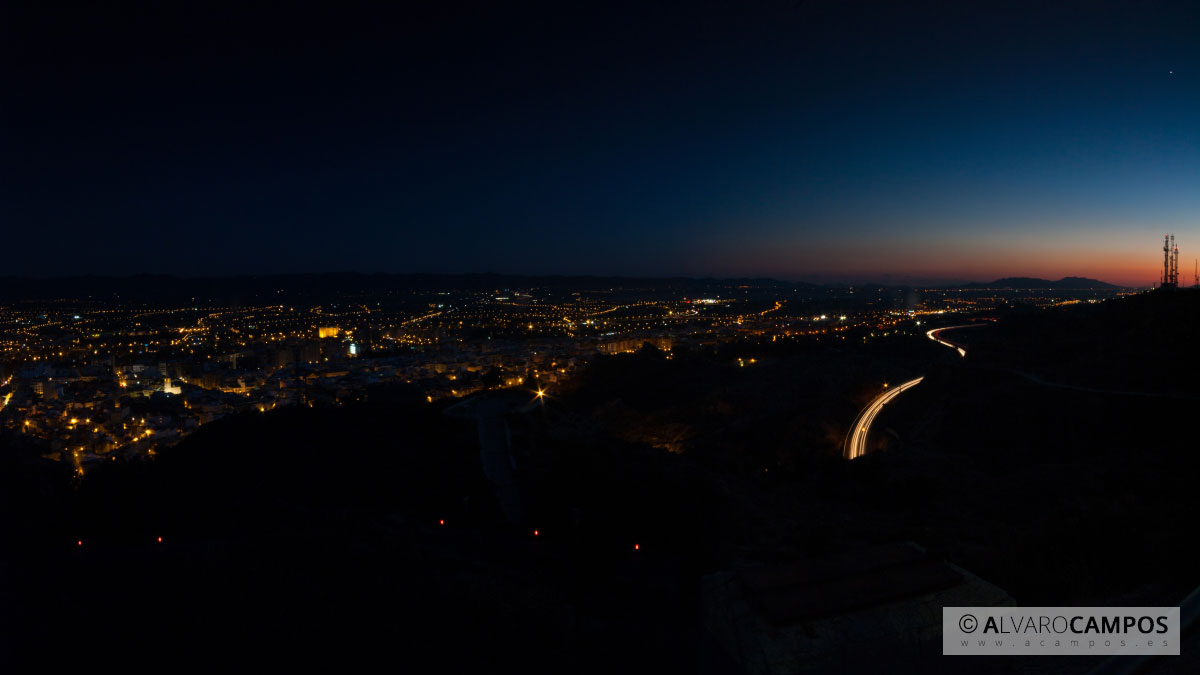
x=856, y=442
x=933, y=335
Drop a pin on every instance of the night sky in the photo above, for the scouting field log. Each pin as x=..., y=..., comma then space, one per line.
x=821, y=141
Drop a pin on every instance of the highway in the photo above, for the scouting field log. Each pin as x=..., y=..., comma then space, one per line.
x=856, y=440
x=933, y=335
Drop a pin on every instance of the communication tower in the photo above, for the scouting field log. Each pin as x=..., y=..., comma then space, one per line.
x=1170, y=276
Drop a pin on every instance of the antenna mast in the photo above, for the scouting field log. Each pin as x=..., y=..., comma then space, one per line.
x=1162, y=282
x=1174, y=261
x=1170, y=277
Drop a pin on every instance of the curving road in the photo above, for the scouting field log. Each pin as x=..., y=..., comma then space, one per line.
x=933, y=335
x=856, y=440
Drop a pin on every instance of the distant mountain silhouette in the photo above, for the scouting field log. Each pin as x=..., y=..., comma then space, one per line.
x=332, y=287
x=1064, y=284
x=318, y=287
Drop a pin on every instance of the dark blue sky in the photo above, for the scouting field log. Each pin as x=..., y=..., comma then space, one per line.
x=822, y=141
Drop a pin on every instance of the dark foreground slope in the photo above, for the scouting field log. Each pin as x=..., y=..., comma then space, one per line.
x=349, y=537
x=368, y=533
x=1059, y=458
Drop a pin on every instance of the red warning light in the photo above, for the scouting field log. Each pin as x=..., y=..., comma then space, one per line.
x=160, y=540
x=535, y=533
x=637, y=547
x=442, y=522
x=79, y=542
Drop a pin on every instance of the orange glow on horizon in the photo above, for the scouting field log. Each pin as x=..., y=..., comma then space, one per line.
x=1125, y=257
